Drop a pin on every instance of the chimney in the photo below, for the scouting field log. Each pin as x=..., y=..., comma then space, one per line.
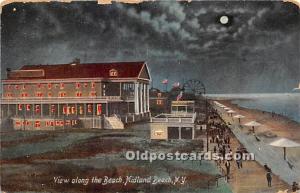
x=75, y=61
x=8, y=70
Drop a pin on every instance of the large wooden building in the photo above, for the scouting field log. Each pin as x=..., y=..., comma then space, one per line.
x=94, y=95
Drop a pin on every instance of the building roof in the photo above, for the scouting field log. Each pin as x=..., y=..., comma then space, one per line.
x=79, y=70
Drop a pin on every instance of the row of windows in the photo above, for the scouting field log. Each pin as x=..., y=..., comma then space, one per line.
x=50, y=86
x=67, y=110
x=60, y=94
x=37, y=124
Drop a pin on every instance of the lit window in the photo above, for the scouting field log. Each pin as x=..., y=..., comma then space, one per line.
x=99, y=109
x=159, y=133
x=39, y=85
x=17, y=87
x=49, y=94
x=159, y=94
x=68, y=122
x=159, y=102
x=49, y=85
x=24, y=87
x=62, y=94
x=90, y=108
x=20, y=107
x=52, y=108
x=80, y=110
x=93, y=85
x=24, y=94
x=77, y=85
x=73, y=110
x=37, y=124
x=74, y=122
x=85, y=85
x=62, y=85
x=57, y=123
x=37, y=108
x=28, y=107
x=93, y=94
x=65, y=110
x=39, y=94
x=68, y=110
x=79, y=94
x=18, y=123
x=8, y=95
x=49, y=123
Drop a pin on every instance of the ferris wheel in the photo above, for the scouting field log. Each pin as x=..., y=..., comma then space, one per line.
x=194, y=86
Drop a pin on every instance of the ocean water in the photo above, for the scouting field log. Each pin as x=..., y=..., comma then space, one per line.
x=287, y=104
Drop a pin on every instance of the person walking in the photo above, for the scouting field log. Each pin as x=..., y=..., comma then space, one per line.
x=239, y=159
x=227, y=165
x=295, y=187
x=269, y=178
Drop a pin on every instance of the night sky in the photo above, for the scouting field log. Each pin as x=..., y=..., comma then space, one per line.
x=256, y=50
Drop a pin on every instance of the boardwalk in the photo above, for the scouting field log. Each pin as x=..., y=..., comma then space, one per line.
x=252, y=177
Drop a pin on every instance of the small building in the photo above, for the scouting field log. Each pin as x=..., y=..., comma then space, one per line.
x=158, y=101
x=180, y=124
x=183, y=107
x=93, y=95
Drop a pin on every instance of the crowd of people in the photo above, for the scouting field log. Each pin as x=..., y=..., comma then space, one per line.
x=219, y=139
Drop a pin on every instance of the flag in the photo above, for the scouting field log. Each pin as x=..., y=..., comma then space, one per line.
x=179, y=96
x=165, y=81
x=176, y=84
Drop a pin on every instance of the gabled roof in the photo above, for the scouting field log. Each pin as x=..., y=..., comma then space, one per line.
x=89, y=70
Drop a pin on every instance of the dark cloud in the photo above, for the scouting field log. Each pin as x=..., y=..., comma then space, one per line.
x=258, y=51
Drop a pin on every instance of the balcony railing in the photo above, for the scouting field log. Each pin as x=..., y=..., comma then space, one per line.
x=66, y=98
x=171, y=118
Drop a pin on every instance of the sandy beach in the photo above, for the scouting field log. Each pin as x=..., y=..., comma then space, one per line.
x=273, y=127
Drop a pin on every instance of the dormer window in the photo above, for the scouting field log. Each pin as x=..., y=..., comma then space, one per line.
x=113, y=72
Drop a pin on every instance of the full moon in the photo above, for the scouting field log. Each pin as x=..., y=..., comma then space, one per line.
x=224, y=19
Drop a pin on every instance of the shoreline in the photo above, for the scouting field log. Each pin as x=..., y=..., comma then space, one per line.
x=265, y=111
x=280, y=124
